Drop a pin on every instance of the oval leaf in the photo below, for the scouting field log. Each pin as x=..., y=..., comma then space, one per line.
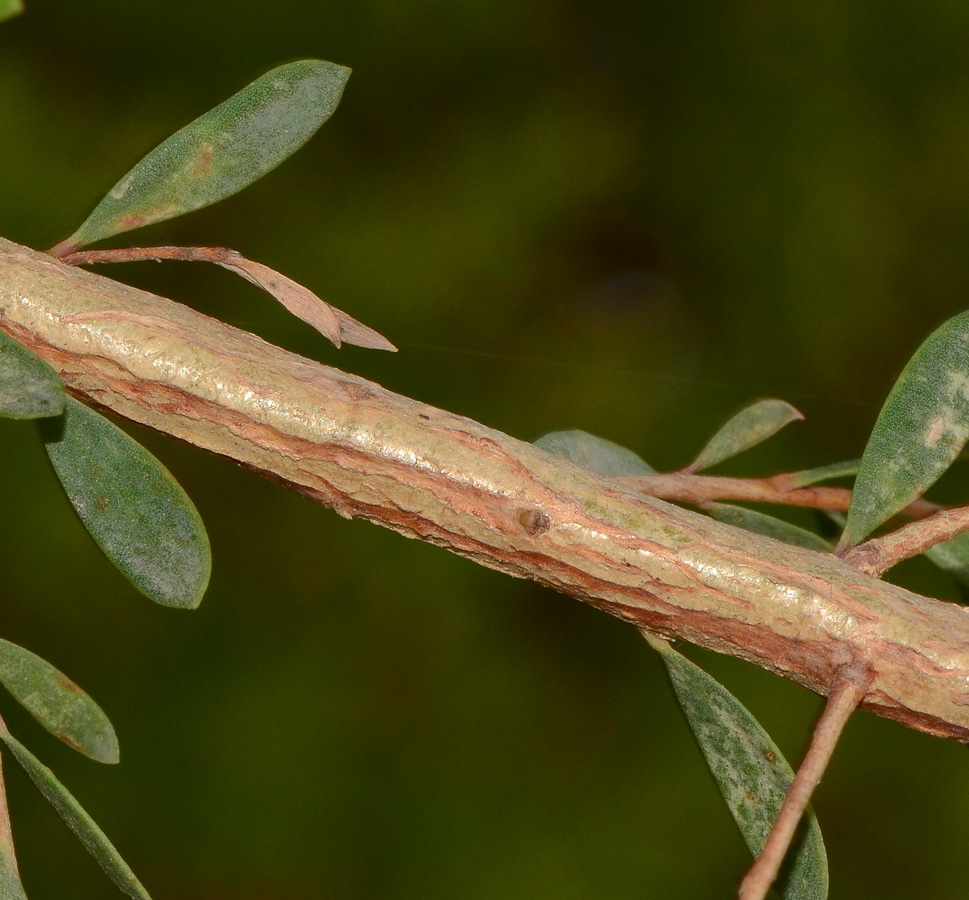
x=920, y=430
x=57, y=703
x=594, y=453
x=84, y=827
x=761, y=523
x=749, y=769
x=751, y=426
x=222, y=151
x=133, y=508
x=29, y=388
x=10, y=8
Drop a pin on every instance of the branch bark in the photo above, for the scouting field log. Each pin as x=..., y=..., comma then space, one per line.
x=432, y=475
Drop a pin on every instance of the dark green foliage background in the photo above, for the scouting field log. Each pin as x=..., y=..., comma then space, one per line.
x=630, y=218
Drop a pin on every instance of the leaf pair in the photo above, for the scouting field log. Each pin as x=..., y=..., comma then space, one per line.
x=70, y=714
x=221, y=152
x=128, y=501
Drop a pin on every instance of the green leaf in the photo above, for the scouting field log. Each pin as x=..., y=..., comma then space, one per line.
x=761, y=523
x=952, y=556
x=29, y=388
x=57, y=703
x=920, y=430
x=753, y=424
x=136, y=512
x=222, y=151
x=594, y=453
x=10, y=884
x=9, y=8
x=807, y=477
x=749, y=769
x=84, y=827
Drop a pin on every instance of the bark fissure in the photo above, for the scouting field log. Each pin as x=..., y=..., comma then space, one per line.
x=430, y=474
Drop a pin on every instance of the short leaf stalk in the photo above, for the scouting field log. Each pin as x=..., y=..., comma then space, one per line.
x=850, y=687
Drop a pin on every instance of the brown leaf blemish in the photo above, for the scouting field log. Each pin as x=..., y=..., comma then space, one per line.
x=203, y=162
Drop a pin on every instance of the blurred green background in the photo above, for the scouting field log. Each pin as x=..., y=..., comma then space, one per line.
x=626, y=217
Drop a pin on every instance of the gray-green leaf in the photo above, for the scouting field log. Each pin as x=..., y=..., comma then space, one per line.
x=751, y=426
x=749, y=769
x=29, y=388
x=594, y=453
x=9, y=8
x=222, y=151
x=920, y=430
x=133, y=508
x=761, y=523
x=84, y=827
x=10, y=885
x=57, y=703
x=807, y=477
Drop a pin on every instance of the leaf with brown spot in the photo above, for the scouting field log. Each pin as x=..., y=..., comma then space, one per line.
x=57, y=703
x=221, y=152
x=921, y=429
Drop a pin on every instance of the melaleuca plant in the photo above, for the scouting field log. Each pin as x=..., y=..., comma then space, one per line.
x=149, y=529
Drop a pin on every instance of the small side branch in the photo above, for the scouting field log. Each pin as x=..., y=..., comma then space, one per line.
x=847, y=693
x=702, y=489
x=879, y=554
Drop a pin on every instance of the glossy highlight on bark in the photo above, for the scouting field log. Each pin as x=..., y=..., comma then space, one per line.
x=221, y=152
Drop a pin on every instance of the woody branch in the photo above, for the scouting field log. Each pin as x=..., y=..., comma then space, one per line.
x=365, y=451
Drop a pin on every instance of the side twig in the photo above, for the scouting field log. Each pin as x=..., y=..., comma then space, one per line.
x=851, y=684
x=702, y=489
x=879, y=554
x=365, y=451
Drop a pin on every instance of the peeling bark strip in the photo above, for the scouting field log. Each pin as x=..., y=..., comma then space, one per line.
x=426, y=473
